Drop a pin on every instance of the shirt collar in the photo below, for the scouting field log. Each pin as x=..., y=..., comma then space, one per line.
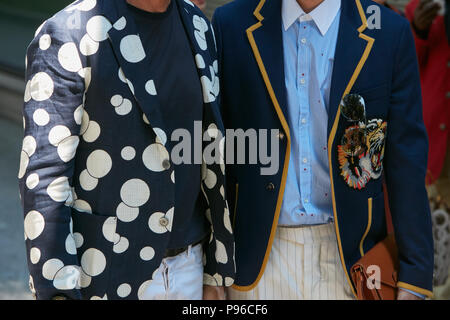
x=323, y=16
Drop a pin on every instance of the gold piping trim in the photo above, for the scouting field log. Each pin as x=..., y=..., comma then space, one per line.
x=285, y=126
x=370, y=42
x=369, y=224
x=408, y=286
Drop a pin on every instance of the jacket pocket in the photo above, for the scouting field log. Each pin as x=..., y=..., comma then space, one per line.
x=376, y=224
x=369, y=225
x=374, y=93
x=94, y=236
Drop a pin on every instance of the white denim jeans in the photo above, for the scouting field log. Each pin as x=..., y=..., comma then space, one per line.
x=178, y=278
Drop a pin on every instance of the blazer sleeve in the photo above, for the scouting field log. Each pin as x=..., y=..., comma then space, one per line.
x=219, y=264
x=231, y=182
x=53, y=109
x=405, y=168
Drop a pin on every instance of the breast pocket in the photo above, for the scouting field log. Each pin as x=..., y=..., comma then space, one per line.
x=376, y=223
x=372, y=93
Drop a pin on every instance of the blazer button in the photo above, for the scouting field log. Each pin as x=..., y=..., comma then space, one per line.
x=270, y=186
x=166, y=164
x=164, y=222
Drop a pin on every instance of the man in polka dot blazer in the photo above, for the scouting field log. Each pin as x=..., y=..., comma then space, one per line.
x=104, y=218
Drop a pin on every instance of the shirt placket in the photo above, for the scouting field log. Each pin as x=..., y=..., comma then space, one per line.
x=303, y=80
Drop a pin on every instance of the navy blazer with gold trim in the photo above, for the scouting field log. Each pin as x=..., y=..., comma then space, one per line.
x=378, y=64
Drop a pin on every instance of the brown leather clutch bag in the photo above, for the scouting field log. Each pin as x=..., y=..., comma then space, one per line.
x=382, y=286
x=375, y=274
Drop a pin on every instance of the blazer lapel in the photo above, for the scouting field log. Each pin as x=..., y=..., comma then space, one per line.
x=133, y=59
x=207, y=65
x=352, y=50
x=266, y=40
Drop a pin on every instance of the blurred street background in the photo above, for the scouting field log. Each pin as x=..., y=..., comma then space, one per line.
x=18, y=21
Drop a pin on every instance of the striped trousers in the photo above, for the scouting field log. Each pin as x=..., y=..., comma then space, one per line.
x=304, y=264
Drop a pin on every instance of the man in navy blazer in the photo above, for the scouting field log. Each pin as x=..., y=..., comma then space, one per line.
x=110, y=211
x=339, y=80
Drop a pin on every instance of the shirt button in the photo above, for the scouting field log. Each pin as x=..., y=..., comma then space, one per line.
x=306, y=201
x=303, y=40
x=302, y=81
x=442, y=126
x=166, y=164
x=305, y=160
x=164, y=222
x=304, y=120
x=270, y=186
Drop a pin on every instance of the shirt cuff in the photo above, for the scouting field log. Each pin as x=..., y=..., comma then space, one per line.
x=415, y=293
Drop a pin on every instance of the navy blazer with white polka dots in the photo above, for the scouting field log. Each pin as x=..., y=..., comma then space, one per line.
x=96, y=178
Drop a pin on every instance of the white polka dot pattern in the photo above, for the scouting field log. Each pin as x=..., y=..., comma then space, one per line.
x=98, y=28
x=135, y=193
x=85, y=5
x=51, y=267
x=69, y=58
x=41, y=87
x=44, y=42
x=147, y=253
x=41, y=117
x=132, y=49
x=94, y=179
x=34, y=224
x=93, y=262
x=128, y=153
x=35, y=255
x=88, y=47
x=120, y=24
x=124, y=290
x=99, y=164
x=154, y=157
x=66, y=278
x=126, y=213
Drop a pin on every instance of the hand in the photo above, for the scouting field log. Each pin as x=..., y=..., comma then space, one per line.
x=213, y=293
x=405, y=295
x=424, y=15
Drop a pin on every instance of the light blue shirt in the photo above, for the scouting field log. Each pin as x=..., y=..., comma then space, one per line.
x=309, y=42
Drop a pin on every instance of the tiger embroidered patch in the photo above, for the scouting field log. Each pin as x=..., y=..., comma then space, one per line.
x=361, y=152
